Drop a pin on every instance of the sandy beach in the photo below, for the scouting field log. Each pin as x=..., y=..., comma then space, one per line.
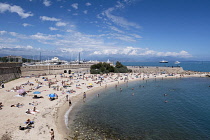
x=51, y=114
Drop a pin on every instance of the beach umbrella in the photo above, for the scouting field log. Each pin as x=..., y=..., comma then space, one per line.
x=36, y=92
x=21, y=91
x=90, y=84
x=52, y=95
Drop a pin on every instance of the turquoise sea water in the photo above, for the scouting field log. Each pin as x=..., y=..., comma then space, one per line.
x=144, y=114
x=202, y=66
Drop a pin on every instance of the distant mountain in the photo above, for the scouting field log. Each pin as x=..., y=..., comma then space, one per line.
x=112, y=58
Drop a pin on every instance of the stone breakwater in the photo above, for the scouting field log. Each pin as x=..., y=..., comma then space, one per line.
x=54, y=69
x=166, y=70
x=149, y=70
x=9, y=71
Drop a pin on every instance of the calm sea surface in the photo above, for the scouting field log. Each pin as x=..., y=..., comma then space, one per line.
x=202, y=66
x=169, y=109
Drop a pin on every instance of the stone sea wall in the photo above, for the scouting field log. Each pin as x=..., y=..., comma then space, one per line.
x=9, y=71
x=145, y=69
x=54, y=69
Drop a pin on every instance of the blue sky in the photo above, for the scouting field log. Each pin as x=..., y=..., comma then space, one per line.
x=129, y=29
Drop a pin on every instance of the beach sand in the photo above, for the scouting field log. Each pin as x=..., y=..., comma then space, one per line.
x=51, y=114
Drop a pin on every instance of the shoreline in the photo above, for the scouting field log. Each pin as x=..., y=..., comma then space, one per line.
x=93, y=91
x=53, y=114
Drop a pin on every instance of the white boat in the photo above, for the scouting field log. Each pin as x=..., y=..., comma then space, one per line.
x=163, y=61
x=177, y=62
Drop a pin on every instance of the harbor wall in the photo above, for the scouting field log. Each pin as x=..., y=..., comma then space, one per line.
x=85, y=68
x=54, y=69
x=149, y=70
x=9, y=71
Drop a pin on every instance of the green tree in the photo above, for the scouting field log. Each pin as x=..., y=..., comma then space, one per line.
x=101, y=68
x=119, y=65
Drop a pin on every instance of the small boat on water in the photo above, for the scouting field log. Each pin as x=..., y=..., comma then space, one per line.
x=163, y=61
x=177, y=62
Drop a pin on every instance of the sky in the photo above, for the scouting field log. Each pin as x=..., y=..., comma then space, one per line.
x=128, y=30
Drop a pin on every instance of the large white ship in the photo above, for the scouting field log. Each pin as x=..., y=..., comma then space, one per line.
x=163, y=61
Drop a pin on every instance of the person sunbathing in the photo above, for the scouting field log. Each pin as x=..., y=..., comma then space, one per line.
x=23, y=94
x=22, y=128
x=1, y=105
x=28, y=111
x=37, y=97
x=29, y=123
x=17, y=105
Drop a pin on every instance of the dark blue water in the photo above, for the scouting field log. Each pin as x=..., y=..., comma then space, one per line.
x=143, y=114
x=202, y=66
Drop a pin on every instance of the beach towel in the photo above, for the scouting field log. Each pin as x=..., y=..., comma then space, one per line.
x=18, y=96
x=32, y=112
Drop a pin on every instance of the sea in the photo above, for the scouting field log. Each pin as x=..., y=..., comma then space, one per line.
x=153, y=109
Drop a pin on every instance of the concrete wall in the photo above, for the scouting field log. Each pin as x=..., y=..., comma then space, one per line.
x=2, y=64
x=9, y=71
x=85, y=68
x=137, y=69
x=54, y=69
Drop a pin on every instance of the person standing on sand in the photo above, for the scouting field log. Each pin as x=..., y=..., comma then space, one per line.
x=84, y=97
x=2, y=84
x=67, y=97
x=69, y=102
x=52, y=134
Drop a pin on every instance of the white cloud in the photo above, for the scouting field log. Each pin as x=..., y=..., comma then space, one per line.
x=17, y=47
x=3, y=32
x=53, y=29
x=24, y=47
x=183, y=54
x=85, y=12
x=97, y=53
x=75, y=14
x=13, y=33
x=116, y=29
x=41, y=36
x=88, y=4
x=45, y=18
x=14, y=9
x=75, y=5
x=26, y=24
x=124, y=37
x=133, y=52
x=69, y=30
x=136, y=36
x=119, y=20
x=61, y=24
x=73, y=41
x=127, y=50
x=47, y=3
x=140, y=52
x=71, y=50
